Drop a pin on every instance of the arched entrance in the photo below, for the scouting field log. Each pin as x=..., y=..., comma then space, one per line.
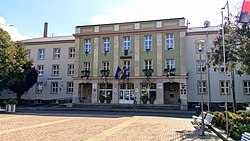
x=85, y=93
x=171, y=93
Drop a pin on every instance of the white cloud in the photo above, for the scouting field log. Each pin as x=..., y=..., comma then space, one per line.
x=196, y=11
x=12, y=30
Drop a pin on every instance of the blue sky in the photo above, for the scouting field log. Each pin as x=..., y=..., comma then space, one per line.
x=28, y=16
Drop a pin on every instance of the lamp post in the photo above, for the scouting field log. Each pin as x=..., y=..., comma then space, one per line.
x=202, y=115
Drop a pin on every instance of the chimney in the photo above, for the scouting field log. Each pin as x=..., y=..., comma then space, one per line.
x=45, y=31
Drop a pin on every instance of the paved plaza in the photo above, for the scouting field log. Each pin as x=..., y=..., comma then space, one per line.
x=91, y=127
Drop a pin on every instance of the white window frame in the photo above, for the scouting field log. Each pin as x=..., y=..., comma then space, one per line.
x=39, y=87
x=54, y=87
x=246, y=88
x=55, y=70
x=71, y=69
x=169, y=41
x=70, y=87
x=147, y=42
x=170, y=63
x=203, y=87
x=106, y=44
x=87, y=44
x=56, y=53
x=86, y=66
x=72, y=52
x=40, y=70
x=200, y=44
x=222, y=87
x=203, y=66
x=105, y=65
x=148, y=64
x=41, y=54
x=127, y=64
x=126, y=43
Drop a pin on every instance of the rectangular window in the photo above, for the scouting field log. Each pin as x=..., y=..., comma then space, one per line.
x=106, y=45
x=148, y=64
x=54, y=87
x=201, y=66
x=200, y=46
x=41, y=54
x=39, y=87
x=222, y=87
x=170, y=64
x=147, y=42
x=126, y=64
x=55, y=70
x=169, y=41
x=126, y=43
x=105, y=65
x=70, y=87
x=247, y=87
x=86, y=66
x=28, y=52
x=40, y=70
x=71, y=52
x=202, y=87
x=87, y=46
x=56, y=53
x=71, y=69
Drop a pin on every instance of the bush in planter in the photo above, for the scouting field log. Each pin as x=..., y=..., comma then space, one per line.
x=151, y=100
x=144, y=99
x=102, y=98
x=108, y=99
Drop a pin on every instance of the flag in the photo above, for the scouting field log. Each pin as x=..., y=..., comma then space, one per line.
x=117, y=72
x=124, y=73
x=245, y=12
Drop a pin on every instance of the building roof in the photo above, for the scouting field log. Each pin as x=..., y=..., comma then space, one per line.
x=203, y=29
x=49, y=39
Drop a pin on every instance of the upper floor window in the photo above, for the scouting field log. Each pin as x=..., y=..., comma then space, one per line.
x=54, y=87
x=169, y=41
x=170, y=64
x=87, y=45
x=41, y=53
x=147, y=42
x=71, y=52
x=71, y=69
x=202, y=87
x=39, y=87
x=201, y=66
x=222, y=87
x=40, y=70
x=55, y=69
x=28, y=52
x=86, y=65
x=200, y=46
x=148, y=64
x=106, y=45
x=105, y=65
x=56, y=53
x=247, y=87
x=70, y=87
x=126, y=64
x=126, y=43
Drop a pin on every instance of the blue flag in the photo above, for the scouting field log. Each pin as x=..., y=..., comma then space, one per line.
x=117, y=72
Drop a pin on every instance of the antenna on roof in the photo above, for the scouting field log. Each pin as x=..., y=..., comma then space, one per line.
x=188, y=22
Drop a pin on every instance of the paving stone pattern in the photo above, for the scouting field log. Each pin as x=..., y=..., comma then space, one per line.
x=14, y=127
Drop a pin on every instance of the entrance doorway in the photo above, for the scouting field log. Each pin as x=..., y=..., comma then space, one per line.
x=85, y=94
x=126, y=93
x=171, y=93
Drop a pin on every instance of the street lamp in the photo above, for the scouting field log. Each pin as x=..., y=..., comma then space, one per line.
x=85, y=73
x=202, y=115
x=170, y=73
x=148, y=73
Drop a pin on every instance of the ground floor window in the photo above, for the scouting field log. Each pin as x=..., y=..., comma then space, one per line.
x=148, y=92
x=105, y=92
x=126, y=93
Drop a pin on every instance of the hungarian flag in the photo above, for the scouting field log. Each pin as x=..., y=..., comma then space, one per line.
x=245, y=12
x=117, y=72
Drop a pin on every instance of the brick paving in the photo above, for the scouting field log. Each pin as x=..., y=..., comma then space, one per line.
x=38, y=127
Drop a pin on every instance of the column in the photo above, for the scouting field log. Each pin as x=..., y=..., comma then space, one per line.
x=159, y=54
x=95, y=58
x=94, y=98
x=137, y=55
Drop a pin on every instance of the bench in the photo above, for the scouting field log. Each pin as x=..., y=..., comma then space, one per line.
x=207, y=120
x=2, y=110
x=199, y=117
x=245, y=136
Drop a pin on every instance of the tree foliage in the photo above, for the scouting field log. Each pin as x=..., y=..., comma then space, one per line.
x=16, y=71
x=237, y=47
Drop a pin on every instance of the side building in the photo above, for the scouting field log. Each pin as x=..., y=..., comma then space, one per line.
x=121, y=61
x=200, y=70
x=54, y=60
